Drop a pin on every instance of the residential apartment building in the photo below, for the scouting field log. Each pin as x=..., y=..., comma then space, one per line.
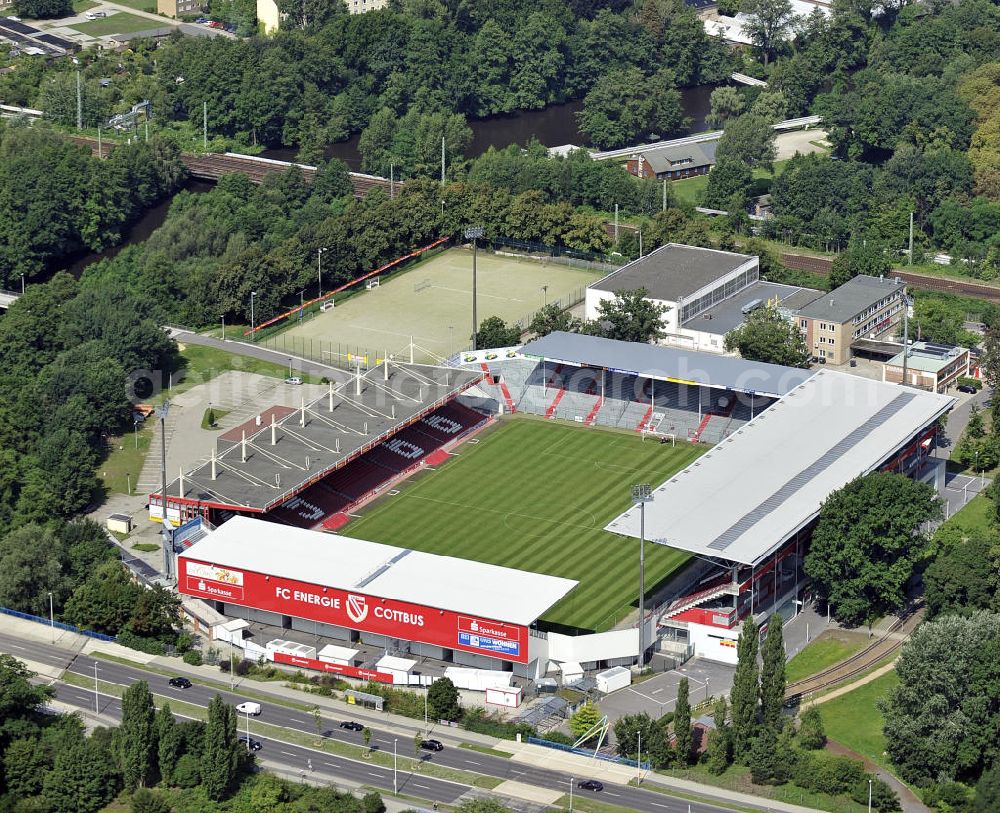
x=270, y=18
x=862, y=308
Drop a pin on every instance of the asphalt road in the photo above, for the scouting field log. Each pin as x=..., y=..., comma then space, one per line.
x=241, y=348
x=296, y=758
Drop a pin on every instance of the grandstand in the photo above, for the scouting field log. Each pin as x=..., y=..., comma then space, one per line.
x=656, y=390
x=308, y=466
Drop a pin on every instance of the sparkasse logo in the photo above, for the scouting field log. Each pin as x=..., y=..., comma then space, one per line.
x=357, y=608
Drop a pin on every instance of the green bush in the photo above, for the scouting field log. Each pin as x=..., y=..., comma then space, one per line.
x=482, y=722
x=970, y=382
x=243, y=667
x=884, y=798
x=186, y=772
x=373, y=803
x=398, y=701
x=192, y=657
x=148, y=645
x=811, y=735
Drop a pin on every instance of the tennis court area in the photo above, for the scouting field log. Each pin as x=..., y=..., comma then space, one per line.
x=432, y=302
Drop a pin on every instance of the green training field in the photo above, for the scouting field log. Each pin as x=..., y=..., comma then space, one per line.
x=536, y=496
x=432, y=302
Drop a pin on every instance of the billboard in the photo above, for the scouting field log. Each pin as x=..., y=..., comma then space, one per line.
x=335, y=668
x=353, y=609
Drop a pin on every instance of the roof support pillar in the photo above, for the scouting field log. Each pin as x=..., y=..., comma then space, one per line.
x=243, y=446
x=274, y=431
x=302, y=411
x=213, y=463
x=329, y=398
x=180, y=482
x=385, y=365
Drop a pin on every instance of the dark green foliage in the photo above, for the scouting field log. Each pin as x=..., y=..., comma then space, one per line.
x=947, y=796
x=495, y=332
x=941, y=720
x=860, y=258
x=768, y=335
x=866, y=542
x=627, y=730
x=631, y=317
x=82, y=779
x=988, y=791
x=832, y=775
x=745, y=692
x=41, y=9
x=962, y=578
x=883, y=797
x=442, y=700
x=720, y=740
x=772, y=675
x=683, y=740
x=221, y=750
x=772, y=758
x=23, y=768
x=729, y=185
x=168, y=743
x=145, y=801
x=625, y=105
x=549, y=319
x=811, y=735
x=137, y=736
x=372, y=802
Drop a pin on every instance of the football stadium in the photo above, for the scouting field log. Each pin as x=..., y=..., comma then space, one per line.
x=476, y=517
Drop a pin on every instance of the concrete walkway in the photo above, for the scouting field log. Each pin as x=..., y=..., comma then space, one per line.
x=850, y=687
x=907, y=798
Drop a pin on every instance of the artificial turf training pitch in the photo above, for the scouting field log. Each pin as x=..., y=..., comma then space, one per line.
x=536, y=495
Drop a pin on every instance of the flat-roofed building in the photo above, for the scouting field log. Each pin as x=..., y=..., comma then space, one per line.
x=861, y=308
x=688, y=280
x=932, y=367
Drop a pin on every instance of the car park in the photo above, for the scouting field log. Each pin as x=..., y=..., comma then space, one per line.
x=254, y=745
x=250, y=708
x=350, y=725
x=590, y=784
x=180, y=682
x=431, y=745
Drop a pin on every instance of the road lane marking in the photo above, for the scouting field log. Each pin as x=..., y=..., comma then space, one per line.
x=425, y=787
x=289, y=754
x=657, y=804
x=609, y=793
x=473, y=762
x=376, y=775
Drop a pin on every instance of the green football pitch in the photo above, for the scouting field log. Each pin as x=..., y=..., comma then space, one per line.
x=536, y=495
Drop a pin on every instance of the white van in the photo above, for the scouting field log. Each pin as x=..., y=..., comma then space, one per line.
x=249, y=708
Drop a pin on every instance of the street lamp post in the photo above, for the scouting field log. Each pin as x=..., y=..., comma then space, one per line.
x=97, y=708
x=474, y=234
x=135, y=432
x=319, y=270
x=248, y=732
x=289, y=367
x=22, y=283
x=641, y=494
x=572, y=782
x=253, y=317
x=869, y=796
x=52, y=618
x=394, y=784
x=545, y=296
x=223, y=327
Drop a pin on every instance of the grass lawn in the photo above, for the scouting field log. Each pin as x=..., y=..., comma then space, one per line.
x=854, y=720
x=829, y=648
x=216, y=414
x=83, y=5
x=692, y=190
x=975, y=518
x=125, y=459
x=139, y=5
x=120, y=23
x=536, y=495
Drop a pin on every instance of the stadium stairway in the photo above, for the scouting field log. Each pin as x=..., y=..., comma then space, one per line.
x=504, y=391
x=560, y=394
x=589, y=420
x=645, y=419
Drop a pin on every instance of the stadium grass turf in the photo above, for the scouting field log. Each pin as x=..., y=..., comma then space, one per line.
x=536, y=495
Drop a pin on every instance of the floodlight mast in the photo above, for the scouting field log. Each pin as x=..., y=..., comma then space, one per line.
x=473, y=234
x=641, y=494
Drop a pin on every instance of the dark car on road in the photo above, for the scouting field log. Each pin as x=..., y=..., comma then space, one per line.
x=431, y=745
x=255, y=745
x=967, y=388
x=590, y=784
x=180, y=682
x=350, y=725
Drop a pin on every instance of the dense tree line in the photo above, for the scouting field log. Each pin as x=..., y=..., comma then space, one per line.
x=149, y=763
x=56, y=199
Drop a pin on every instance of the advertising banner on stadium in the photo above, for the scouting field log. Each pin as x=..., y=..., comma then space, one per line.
x=355, y=610
x=335, y=668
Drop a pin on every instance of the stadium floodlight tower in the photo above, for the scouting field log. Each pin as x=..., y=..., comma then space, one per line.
x=168, y=542
x=642, y=493
x=473, y=234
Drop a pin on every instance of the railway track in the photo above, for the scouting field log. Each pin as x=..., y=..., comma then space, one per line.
x=213, y=166
x=928, y=282
x=858, y=663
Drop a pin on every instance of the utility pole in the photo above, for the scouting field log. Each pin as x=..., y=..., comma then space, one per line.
x=204, y=126
x=640, y=244
x=616, y=224
x=906, y=335
x=911, y=239
x=167, y=537
x=253, y=319
x=664, y=196
x=474, y=234
x=641, y=494
x=79, y=103
x=319, y=270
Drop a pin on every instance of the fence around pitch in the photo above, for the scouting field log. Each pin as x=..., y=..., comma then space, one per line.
x=100, y=636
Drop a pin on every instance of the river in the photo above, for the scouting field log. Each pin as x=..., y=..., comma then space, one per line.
x=554, y=126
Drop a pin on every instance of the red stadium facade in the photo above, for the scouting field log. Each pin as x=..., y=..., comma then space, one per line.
x=354, y=610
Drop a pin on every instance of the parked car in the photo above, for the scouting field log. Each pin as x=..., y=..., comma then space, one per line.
x=254, y=745
x=180, y=682
x=293, y=379
x=431, y=745
x=591, y=784
x=202, y=20
x=967, y=388
x=350, y=725
x=249, y=708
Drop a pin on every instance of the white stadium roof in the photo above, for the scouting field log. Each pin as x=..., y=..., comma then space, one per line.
x=741, y=500
x=384, y=571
